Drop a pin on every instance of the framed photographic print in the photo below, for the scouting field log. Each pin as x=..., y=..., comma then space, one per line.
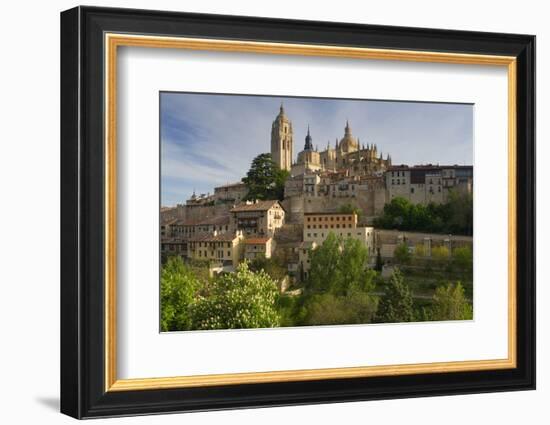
x=261, y=212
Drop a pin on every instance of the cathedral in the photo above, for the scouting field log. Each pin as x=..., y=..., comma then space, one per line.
x=347, y=155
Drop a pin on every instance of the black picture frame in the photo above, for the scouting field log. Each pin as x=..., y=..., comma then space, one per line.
x=82, y=212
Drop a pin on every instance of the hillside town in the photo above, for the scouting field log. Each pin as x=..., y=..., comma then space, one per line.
x=343, y=190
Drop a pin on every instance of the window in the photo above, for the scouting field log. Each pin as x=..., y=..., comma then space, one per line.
x=308, y=226
x=412, y=189
x=309, y=235
x=315, y=235
x=229, y=253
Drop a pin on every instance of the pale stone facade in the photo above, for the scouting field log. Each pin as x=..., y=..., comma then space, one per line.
x=347, y=155
x=234, y=192
x=258, y=247
x=258, y=218
x=428, y=183
x=282, y=141
x=317, y=227
x=224, y=248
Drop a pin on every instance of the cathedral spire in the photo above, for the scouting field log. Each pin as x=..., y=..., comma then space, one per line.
x=309, y=141
x=347, y=129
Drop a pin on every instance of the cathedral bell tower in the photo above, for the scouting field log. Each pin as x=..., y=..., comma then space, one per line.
x=282, y=140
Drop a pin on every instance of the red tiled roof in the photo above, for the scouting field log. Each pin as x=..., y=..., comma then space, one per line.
x=224, y=219
x=209, y=237
x=257, y=241
x=257, y=206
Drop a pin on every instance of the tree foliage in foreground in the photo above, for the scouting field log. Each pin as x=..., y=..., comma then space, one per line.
x=339, y=266
x=402, y=254
x=450, y=303
x=353, y=308
x=397, y=304
x=265, y=180
x=339, y=284
x=242, y=299
x=178, y=287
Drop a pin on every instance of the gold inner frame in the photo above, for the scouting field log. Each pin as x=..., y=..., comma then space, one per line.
x=113, y=41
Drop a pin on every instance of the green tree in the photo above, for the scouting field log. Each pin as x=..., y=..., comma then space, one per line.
x=455, y=216
x=339, y=284
x=178, y=287
x=396, y=305
x=329, y=309
x=420, y=250
x=402, y=254
x=440, y=254
x=356, y=277
x=462, y=258
x=272, y=266
x=461, y=213
x=339, y=266
x=265, y=180
x=379, y=264
x=325, y=271
x=350, y=209
x=450, y=303
x=238, y=300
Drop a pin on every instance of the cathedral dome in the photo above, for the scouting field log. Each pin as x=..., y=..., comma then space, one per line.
x=348, y=142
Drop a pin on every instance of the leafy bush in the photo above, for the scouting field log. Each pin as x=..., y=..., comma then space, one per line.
x=243, y=299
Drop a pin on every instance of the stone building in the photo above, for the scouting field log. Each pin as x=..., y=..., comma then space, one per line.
x=223, y=248
x=190, y=227
x=173, y=247
x=234, y=192
x=282, y=141
x=258, y=247
x=258, y=218
x=318, y=225
x=167, y=225
x=347, y=155
x=423, y=184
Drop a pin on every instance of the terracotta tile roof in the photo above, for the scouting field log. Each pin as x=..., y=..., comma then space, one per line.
x=224, y=219
x=166, y=221
x=257, y=206
x=209, y=237
x=257, y=241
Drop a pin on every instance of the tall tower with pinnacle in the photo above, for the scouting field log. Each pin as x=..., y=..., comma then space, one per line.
x=282, y=140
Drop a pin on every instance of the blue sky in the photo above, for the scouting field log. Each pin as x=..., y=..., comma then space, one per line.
x=210, y=139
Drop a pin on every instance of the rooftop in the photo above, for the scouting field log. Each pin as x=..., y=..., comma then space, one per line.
x=218, y=220
x=214, y=237
x=228, y=185
x=257, y=241
x=256, y=206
